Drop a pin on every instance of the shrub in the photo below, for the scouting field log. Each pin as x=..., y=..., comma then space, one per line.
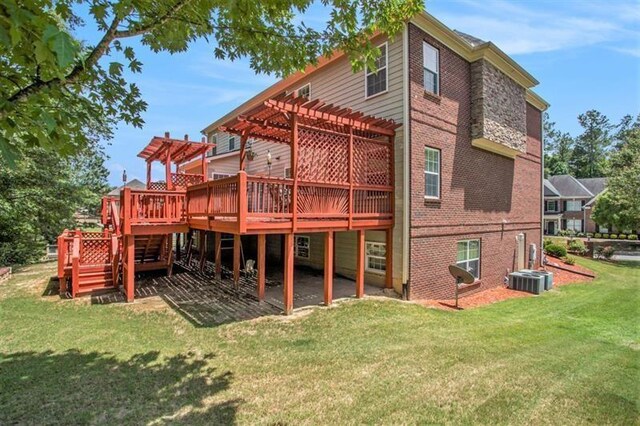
x=622, y=236
x=580, y=234
x=608, y=252
x=569, y=260
x=547, y=242
x=605, y=235
x=598, y=235
x=632, y=237
x=556, y=250
x=613, y=236
x=589, y=235
x=577, y=246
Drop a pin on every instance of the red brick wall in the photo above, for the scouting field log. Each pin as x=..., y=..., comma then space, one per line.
x=483, y=195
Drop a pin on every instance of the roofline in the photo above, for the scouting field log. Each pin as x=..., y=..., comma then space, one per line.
x=583, y=187
x=435, y=28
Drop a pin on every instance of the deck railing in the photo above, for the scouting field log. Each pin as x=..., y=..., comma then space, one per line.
x=241, y=198
x=145, y=207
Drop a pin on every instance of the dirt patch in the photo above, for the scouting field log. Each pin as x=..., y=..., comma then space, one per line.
x=497, y=294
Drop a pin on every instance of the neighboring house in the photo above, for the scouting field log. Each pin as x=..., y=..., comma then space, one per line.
x=468, y=174
x=133, y=184
x=568, y=204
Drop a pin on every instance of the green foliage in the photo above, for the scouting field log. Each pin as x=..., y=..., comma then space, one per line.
x=39, y=196
x=569, y=260
x=613, y=236
x=632, y=237
x=58, y=91
x=622, y=236
x=577, y=246
x=556, y=250
x=588, y=158
x=598, y=235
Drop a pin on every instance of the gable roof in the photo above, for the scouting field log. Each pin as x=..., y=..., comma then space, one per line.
x=594, y=185
x=550, y=190
x=569, y=187
x=467, y=46
x=133, y=184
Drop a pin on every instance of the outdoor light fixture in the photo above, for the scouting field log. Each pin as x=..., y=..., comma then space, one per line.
x=124, y=177
x=269, y=161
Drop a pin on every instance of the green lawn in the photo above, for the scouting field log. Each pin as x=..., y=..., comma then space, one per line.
x=569, y=356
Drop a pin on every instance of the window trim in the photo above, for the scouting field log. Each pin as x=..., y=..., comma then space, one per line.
x=566, y=225
x=479, y=259
x=295, y=247
x=229, y=144
x=297, y=91
x=436, y=72
x=574, y=201
x=386, y=80
x=431, y=197
x=367, y=256
x=556, y=210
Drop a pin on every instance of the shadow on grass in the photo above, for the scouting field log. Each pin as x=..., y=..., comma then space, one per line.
x=78, y=388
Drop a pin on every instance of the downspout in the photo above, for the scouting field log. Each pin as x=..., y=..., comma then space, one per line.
x=406, y=135
x=541, y=186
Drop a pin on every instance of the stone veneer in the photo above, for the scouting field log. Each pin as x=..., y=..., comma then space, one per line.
x=498, y=107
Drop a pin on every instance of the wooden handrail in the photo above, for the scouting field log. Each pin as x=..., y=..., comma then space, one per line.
x=75, y=264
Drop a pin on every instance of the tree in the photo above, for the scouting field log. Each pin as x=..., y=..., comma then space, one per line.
x=54, y=86
x=589, y=155
x=620, y=204
x=558, y=149
x=39, y=196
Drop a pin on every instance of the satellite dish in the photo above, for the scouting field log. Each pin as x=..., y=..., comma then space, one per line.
x=461, y=275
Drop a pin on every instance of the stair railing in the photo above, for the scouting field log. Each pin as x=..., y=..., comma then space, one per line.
x=75, y=263
x=115, y=260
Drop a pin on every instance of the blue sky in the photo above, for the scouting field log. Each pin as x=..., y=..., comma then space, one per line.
x=586, y=54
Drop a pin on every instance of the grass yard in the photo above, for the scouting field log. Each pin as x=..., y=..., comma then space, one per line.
x=569, y=356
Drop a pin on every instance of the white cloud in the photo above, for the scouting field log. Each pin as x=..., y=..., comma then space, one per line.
x=524, y=28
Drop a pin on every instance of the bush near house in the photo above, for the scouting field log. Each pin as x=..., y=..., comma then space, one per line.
x=577, y=246
x=597, y=235
x=556, y=250
x=569, y=260
x=632, y=237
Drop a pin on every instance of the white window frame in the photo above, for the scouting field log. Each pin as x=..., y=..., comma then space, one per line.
x=579, y=203
x=217, y=175
x=426, y=196
x=368, y=256
x=229, y=143
x=297, y=91
x=425, y=46
x=468, y=259
x=296, y=248
x=555, y=210
x=573, y=225
x=385, y=67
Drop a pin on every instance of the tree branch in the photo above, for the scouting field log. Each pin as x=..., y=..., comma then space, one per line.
x=151, y=25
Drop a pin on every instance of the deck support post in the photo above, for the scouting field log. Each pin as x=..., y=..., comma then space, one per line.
x=262, y=247
x=218, y=254
x=202, y=248
x=294, y=172
x=148, y=174
x=360, y=264
x=129, y=267
x=236, y=260
x=328, y=268
x=178, y=249
x=388, y=282
x=169, y=255
x=288, y=274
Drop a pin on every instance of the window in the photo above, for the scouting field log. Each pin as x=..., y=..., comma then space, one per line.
x=574, y=205
x=552, y=206
x=287, y=172
x=215, y=175
x=304, y=91
x=431, y=65
x=603, y=229
x=469, y=256
x=574, y=225
x=376, y=82
x=301, y=248
x=376, y=257
x=431, y=173
x=232, y=143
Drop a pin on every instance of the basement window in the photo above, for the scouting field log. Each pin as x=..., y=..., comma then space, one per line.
x=301, y=248
x=376, y=257
x=469, y=256
x=376, y=82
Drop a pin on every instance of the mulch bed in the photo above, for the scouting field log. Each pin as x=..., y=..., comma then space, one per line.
x=560, y=277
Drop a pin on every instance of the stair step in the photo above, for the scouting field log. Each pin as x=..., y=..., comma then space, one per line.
x=95, y=288
x=95, y=281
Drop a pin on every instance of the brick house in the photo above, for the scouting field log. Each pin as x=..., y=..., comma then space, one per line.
x=568, y=204
x=467, y=170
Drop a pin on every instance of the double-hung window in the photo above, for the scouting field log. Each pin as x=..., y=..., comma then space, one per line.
x=552, y=206
x=431, y=173
x=232, y=143
x=431, y=65
x=469, y=256
x=574, y=225
x=376, y=82
x=376, y=257
x=304, y=91
x=574, y=205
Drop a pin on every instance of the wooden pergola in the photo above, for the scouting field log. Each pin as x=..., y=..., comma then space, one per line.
x=170, y=151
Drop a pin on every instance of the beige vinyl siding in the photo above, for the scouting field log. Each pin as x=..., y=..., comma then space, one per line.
x=337, y=84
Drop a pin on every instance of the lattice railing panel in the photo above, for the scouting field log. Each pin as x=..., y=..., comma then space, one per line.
x=323, y=200
x=182, y=180
x=371, y=163
x=158, y=186
x=323, y=156
x=95, y=251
